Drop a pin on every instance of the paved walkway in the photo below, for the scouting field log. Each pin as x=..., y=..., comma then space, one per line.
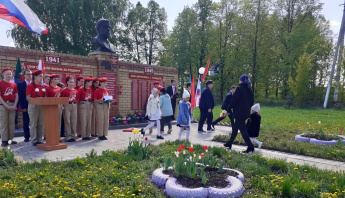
x=118, y=140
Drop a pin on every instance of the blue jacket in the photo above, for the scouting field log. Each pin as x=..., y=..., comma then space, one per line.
x=22, y=95
x=165, y=103
x=206, y=101
x=184, y=114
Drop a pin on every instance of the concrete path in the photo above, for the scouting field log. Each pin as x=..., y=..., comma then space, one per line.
x=118, y=140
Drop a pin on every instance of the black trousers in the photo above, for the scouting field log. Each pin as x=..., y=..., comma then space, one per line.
x=62, y=130
x=203, y=116
x=220, y=119
x=165, y=119
x=26, y=121
x=240, y=124
x=173, y=105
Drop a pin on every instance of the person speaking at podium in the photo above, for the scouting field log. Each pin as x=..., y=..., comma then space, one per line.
x=36, y=90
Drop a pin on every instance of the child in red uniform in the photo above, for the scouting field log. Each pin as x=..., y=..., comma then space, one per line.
x=102, y=109
x=85, y=108
x=80, y=83
x=8, y=106
x=70, y=110
x=36, y=90
x=94, y=132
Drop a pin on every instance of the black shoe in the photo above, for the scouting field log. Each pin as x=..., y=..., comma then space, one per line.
x=142, y=132
x=93, y=135
x=26, y=139
x=4, y=143
x=213, y=126
x=86, y=138
x=160, y=137
x=71, y=140
x=14, y=142
x=228, y=145
x=79, y=136
x=211, y=130
x=102, y=138
x=201, y=131
x=36, y=143
x=63, y=135
x=249, y=150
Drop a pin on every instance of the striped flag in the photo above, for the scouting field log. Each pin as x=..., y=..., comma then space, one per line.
x=206, y=69
x=41, y=67
x=198, y=93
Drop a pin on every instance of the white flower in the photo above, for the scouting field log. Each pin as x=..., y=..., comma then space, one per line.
x=44, y=90
x=206, y=150
x=190, y=158
x=308, y=123
x=9, y=142
x=199, y=157
x=37, y=90
x=9, y=148
x=184, y=152
x=319, y=122
x=176, y=153
x=191, y=145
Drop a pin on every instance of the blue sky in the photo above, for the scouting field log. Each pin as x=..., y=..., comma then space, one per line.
x=332, y=10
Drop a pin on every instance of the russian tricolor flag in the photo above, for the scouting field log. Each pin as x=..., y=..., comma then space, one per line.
x=16, y=11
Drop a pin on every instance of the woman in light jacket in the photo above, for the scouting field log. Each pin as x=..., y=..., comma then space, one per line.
x=166, y=108
x=153, y=112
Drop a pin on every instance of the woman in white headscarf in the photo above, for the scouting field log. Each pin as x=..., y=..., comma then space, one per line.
x=153, y=113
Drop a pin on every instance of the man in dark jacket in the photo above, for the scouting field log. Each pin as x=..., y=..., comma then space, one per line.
x=24, y=103
x=241, y=103
x=225, y=106
x=206, y=105
x=173, y=93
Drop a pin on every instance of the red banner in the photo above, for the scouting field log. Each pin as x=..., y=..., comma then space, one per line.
x=53, y=69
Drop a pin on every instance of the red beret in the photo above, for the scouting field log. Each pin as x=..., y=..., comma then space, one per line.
x=79, y=78
x=94, y=79
x=159, y=88
x=67, y=78
x=6, y=69
x=156, y=83
x=102, y=80
x=54, y=76
x=88, y=79
x=37, y=72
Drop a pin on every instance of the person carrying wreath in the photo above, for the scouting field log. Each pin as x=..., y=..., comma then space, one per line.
x=85, y=108
x=36, y=90
x=102, y=109
x=8, y=106
x=70, y=114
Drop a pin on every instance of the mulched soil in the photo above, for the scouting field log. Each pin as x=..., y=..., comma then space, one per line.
x=214, y=178
x=327, y=137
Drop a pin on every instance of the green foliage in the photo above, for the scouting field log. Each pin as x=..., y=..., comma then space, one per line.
x=7, y=158
x=167, y=163
x=138, y=149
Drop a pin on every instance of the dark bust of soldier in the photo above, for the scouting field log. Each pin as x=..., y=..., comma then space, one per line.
x=101, y=41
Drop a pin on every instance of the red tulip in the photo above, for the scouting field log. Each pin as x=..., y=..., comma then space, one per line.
x=149, y=144
x=342, y=130
x=191, y=149
x=146, y=138
x=202, y=154
x=179, y=150
x=182, y=146
x=137, y=141
x=205, y=147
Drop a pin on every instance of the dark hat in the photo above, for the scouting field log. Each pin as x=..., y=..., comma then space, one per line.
x=245, y=79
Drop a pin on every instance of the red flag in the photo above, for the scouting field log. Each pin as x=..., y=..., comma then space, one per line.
x=206, y=69
x=192, y=93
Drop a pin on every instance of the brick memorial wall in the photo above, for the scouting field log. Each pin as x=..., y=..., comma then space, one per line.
x=129, y=83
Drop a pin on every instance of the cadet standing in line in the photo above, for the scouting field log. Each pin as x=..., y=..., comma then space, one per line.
x=8, y=106
x=94, y=132
x=102, y=109
x=85, y=108
x=80, y=83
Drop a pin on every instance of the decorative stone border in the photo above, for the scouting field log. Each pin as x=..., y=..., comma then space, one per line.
x=173, y=189
x=300, y=138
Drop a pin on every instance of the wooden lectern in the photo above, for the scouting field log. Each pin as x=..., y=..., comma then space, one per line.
x=51, y=122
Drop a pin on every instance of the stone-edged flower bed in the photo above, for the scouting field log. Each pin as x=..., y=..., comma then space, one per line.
x=315, y=138
x=197, y=176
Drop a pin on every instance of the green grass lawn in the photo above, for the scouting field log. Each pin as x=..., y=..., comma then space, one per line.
x=280, y=125
x=117, y=174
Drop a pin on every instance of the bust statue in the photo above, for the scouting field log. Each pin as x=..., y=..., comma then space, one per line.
x=101, y=41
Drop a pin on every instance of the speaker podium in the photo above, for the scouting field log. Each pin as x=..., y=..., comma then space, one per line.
x=51, y=122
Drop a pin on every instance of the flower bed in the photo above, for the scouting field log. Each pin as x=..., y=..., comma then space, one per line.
x=194, y=175
x=126, y=120
x=315, y=138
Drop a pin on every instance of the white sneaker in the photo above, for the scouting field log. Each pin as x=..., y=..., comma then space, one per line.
x=259, y=145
